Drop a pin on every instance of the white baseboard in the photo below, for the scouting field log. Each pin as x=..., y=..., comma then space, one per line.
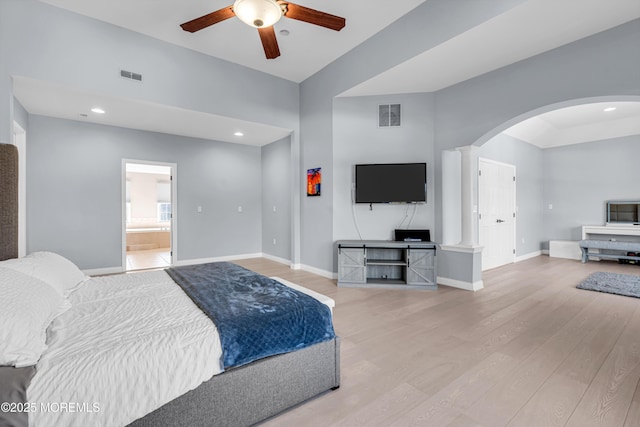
x=310, y=269
x=117, y=270
x=277, y=259
x=467, y=286
x=217, y=259
x=528, y=256
x=103, y=271
x=287, y=262
x=314, y=270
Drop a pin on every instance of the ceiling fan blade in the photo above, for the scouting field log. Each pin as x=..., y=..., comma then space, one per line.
x=313, y=16
x=269, y=42
x=208, y=19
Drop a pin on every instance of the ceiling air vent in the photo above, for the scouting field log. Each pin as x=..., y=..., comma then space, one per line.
x=131, y=75
x=388, y=115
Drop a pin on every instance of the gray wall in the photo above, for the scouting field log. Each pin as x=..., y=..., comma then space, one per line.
x=54, y=45
x=601, y=65
x=51, y=44
x=74, y=194
x=579, y=179
x=426, y=26
x=20, y=115
x=358, y=139
x=471, y=112
x=604, y=64
x=460, y=266
x=276, y=192
x=527, y=159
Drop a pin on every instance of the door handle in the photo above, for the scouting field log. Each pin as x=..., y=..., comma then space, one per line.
x=499, y=220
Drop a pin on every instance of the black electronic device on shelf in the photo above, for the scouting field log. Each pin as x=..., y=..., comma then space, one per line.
x=403, y=235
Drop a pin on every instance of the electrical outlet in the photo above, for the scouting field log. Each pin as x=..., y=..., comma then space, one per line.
x=274, y=240
x=199, y=209
x=274, y=208
x=239, y=208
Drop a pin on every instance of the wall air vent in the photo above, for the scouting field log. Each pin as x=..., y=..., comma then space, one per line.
x=130, y=75
x=388, y=115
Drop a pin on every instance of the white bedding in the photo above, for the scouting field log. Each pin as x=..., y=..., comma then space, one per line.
x=138, y=343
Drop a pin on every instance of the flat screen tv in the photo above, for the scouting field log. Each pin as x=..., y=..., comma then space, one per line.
x=391, y=183
x=623, y=212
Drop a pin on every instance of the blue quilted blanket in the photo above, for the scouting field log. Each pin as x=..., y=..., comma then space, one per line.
x=256, y=316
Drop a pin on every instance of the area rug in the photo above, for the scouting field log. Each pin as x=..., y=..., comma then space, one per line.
x=612, y=283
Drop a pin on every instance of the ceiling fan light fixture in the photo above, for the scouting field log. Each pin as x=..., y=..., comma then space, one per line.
x=258, y=13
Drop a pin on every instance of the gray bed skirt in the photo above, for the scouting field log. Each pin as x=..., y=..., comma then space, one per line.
x=252, y=393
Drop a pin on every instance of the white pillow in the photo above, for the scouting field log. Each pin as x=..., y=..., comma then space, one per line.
x=51, y=268
x=27, y=307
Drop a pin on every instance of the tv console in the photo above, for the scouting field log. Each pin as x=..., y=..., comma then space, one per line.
x=387, y=264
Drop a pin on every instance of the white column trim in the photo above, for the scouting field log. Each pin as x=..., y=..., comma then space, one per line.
x=469, y=208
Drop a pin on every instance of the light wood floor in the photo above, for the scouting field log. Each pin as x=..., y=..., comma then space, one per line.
x=528, y=350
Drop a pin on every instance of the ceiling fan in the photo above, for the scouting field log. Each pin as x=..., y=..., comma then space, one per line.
x=262, y=14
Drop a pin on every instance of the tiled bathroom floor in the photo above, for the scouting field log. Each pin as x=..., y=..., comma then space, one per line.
x=152, y=258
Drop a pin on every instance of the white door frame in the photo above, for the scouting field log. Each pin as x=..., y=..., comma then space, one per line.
x=174, y=205
x=20, y=141
x=515, y=218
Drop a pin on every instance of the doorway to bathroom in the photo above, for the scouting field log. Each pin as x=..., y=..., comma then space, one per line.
x=148, y=213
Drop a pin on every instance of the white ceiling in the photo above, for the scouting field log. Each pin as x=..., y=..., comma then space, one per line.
x=526, y=30
x=581, y=123
x=46, y=99
x=534, y=27
x=306, y=49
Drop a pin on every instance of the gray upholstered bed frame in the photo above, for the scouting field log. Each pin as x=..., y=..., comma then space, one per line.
x=8, y=201
x=252, y=393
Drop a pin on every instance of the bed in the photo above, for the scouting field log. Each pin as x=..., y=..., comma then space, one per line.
x=106, y=342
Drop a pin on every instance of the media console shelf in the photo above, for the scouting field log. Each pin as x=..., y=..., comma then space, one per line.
x=629, y=233
x=387, y=264
x=613, y=233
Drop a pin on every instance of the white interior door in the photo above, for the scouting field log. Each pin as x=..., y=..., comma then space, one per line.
x=497, y=213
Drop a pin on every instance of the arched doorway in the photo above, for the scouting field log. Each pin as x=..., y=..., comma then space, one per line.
x=453, y=213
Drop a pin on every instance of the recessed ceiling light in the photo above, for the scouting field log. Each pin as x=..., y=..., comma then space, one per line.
x=284, y=32
x=97, y=110
x=239, y=134
x=610, y=109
